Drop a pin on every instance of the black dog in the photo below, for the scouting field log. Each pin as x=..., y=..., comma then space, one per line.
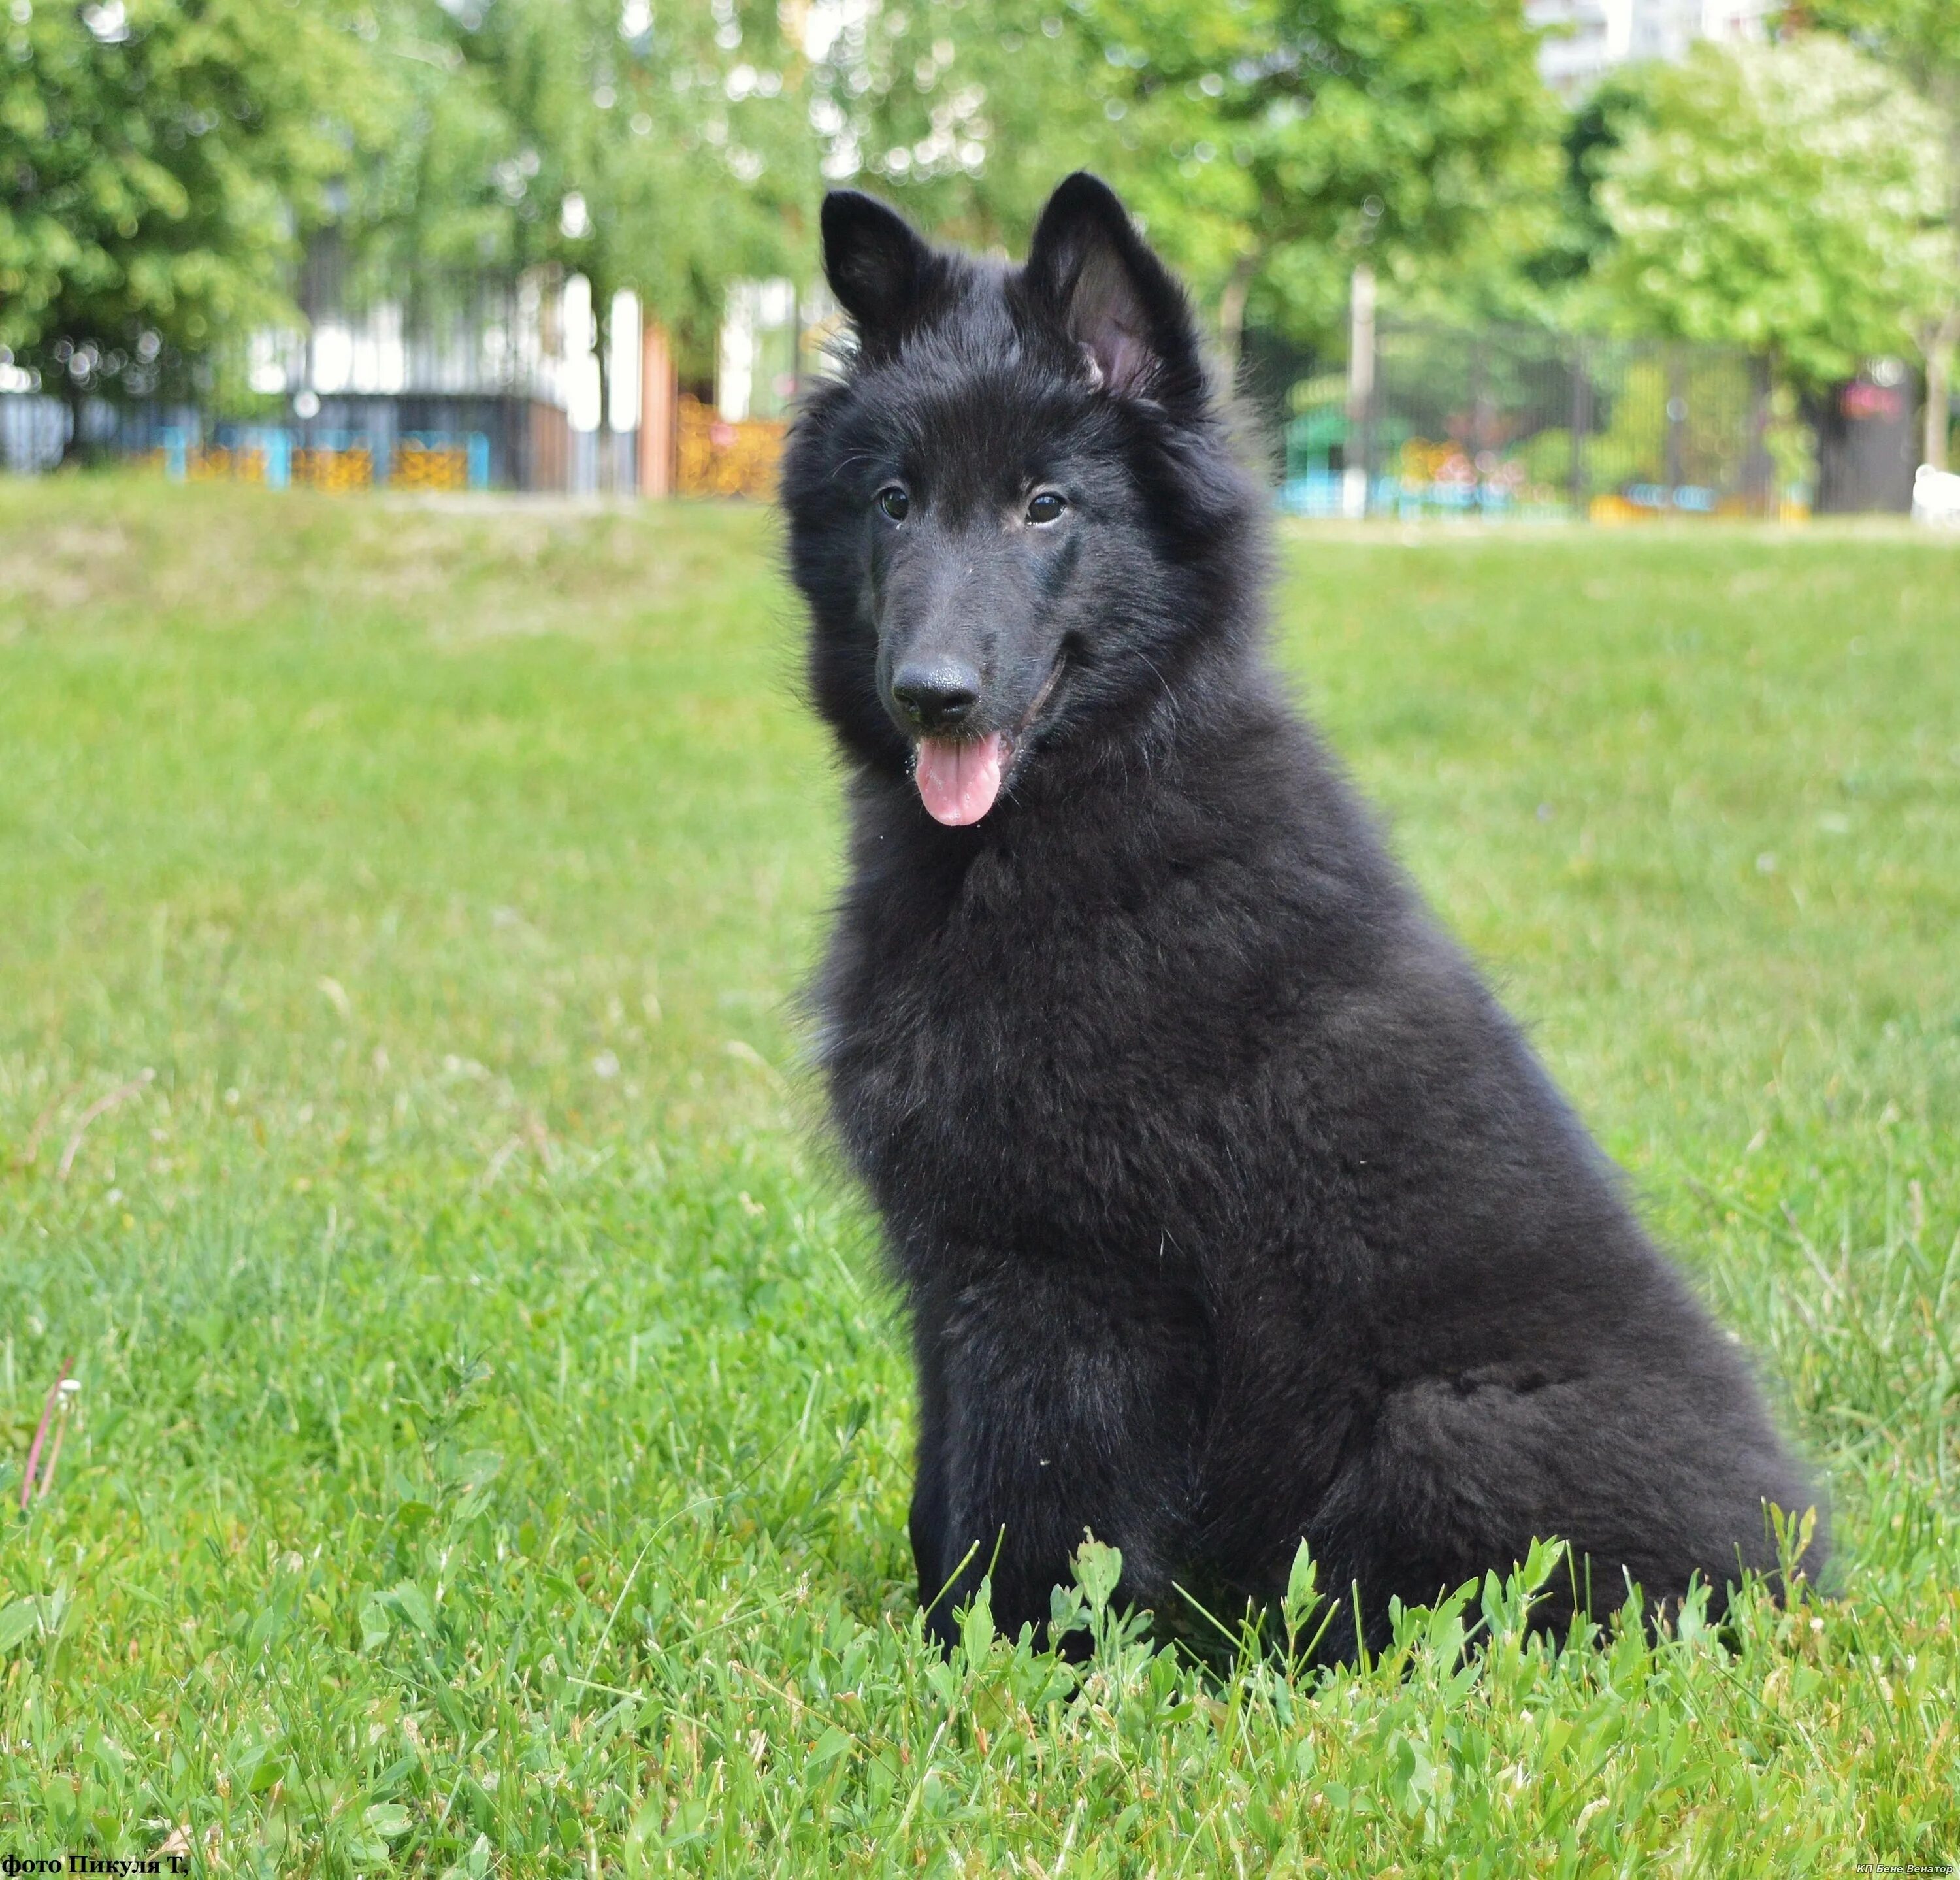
x=1230, y=1208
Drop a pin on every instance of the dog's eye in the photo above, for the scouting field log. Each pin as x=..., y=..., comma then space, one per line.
x=1046, y=508
x=895, y=503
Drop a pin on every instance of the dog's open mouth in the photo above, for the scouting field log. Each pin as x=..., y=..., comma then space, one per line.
x=959, y=779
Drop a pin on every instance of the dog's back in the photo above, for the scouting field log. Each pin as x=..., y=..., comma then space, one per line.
x=1231, y=1209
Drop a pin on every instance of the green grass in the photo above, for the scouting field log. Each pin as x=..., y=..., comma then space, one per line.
x=492, y=1443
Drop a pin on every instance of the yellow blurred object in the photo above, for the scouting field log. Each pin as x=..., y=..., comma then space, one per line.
x=1424, y=462
x=430, y=467
x=215, y=464
x=338, y=469
x=1616, y=512
x=720, y=459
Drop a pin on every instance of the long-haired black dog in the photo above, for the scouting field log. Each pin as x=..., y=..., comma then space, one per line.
x=1230, y=1208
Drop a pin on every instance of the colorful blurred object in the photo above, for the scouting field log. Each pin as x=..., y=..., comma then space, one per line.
x=717, y=458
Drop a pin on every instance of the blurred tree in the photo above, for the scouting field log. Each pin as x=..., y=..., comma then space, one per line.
x=163, y=163
x=1786, y=197
x=664, y=150
x=966, y=114
x=1921, y=40
x=659, y=150
x=698, y=160
x=1559, y=270
x=1285, y=141
x=1268, y=145
x=158, y=160
x=447, y=186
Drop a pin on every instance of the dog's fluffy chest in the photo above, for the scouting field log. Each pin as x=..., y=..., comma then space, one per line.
x=1036, y=1057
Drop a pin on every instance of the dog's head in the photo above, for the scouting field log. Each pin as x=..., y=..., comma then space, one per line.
x=1018, y=502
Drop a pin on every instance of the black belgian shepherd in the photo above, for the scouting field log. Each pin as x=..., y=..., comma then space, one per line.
x=1230, y=1208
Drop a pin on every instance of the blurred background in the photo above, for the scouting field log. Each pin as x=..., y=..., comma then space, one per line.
x=1601, y=259
x=450, y=1420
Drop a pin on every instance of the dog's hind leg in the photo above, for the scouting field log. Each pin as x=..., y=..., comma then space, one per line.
x=1649, y=1480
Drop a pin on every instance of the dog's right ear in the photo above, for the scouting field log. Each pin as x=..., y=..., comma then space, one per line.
x=876, y=266
x=1113, y=296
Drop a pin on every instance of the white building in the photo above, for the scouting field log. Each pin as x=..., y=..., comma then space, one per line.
x=1586, y=38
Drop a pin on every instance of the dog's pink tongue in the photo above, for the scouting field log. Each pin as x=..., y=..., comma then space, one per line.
x=959, y=781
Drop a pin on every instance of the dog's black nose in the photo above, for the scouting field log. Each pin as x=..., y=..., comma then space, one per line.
x=937, y=695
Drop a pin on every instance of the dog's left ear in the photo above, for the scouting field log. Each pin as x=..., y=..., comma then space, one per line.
x=1114, y=297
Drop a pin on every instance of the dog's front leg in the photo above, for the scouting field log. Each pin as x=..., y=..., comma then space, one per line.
x=1057, y=1404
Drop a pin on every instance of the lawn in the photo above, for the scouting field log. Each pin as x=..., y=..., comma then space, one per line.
x=491, y=1450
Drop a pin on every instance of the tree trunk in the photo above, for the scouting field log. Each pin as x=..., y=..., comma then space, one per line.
x=658, y=399
x=1938, y=353
x=602, y=346
x=1358, y=473
x=1232, y=307
x=1944, y=90
x=72, y=397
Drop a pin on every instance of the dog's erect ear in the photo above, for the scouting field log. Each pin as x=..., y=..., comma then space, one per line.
x=1115, y=299
x=876, y=266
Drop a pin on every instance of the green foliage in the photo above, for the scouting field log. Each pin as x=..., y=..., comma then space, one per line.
x=1784, y=198
x=162, y=163
x=1547, y=457
x=156, y=161
x=493, y=1440
x=1290, y=139
x=449, y=186
x=1708, y=445
x=1921, y=38
x=1268, y=147
x=1579, y=235
x=684, y=137
x=967, y=115
x=162, y=160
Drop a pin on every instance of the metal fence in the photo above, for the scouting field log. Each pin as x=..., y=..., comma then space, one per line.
x=422, y=442
x=1491, y=422
x=431, y=379
x=1517, y=422
x=317, y=456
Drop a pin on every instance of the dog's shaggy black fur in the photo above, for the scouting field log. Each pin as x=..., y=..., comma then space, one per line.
x=1230, y=1208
